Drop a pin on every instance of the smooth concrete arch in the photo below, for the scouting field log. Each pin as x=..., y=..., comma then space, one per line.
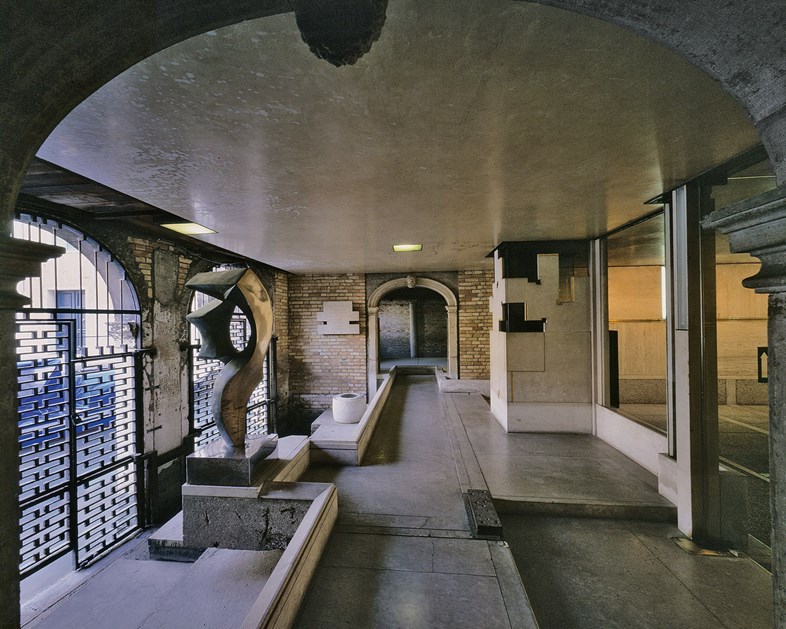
x=58, y=62
x=451, y=306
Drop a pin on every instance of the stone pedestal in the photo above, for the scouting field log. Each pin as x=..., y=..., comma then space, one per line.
x=245, y=518
x=222, y=465
x=231, y=500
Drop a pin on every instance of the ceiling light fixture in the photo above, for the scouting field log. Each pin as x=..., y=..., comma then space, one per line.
x=400, y=248
x=190, y=229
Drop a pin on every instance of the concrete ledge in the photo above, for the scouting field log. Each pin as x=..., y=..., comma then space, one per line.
x=346, y=444
x=637, y=442
x=607, y=510
x=468, y=469
x=451, y=385
x=515, y=596
x=280, y=599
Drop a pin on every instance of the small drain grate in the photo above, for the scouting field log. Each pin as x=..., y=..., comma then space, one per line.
x=483, y=518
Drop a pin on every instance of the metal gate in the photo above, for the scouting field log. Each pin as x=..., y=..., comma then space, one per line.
x=79, y=439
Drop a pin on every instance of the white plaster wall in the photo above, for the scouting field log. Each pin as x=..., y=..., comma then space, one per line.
x=549, y=417
x=542, y=382
x=682, y=417
x=499, y=377
x=635, y=441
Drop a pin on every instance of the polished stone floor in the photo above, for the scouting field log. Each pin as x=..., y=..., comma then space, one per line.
x=128, y=591
x=401, y=554
x=609, y=574
x=530, y=471
x=603, y=571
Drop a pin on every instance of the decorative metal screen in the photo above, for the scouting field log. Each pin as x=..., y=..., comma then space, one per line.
x=77, y=370
x=44, y=441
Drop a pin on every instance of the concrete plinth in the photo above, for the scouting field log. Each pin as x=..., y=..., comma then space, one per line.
x=219, y=464
x=242, y=518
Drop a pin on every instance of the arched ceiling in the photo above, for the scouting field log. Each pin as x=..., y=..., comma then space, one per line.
x=469, y=123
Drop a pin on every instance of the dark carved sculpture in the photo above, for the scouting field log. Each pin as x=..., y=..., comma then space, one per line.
x=340, y=31
x=243, y=369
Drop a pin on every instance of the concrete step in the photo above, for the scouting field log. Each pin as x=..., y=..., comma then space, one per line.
x=585, y=508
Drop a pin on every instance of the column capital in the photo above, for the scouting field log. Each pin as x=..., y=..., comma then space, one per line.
x=373, y=310
x=757, y=226
x=451, y=309
x=20, y=259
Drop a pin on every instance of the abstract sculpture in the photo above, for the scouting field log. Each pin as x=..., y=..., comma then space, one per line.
x=243, y=369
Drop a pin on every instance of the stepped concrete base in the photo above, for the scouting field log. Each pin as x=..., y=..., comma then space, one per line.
x=166, y=544
x=239, y=519
x=286, y=464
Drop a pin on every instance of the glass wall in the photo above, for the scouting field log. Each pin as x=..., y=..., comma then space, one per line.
x=743, y=412
x=637, y=322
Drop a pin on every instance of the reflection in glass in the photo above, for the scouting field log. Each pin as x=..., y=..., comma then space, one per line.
x=636, y=298
x=743, y=412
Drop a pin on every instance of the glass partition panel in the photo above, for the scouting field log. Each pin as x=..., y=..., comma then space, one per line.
x=743, y=411
x=637, y=322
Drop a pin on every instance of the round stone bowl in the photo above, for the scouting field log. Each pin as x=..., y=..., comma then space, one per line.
x=348, y=408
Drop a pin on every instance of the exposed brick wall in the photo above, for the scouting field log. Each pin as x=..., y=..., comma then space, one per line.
x=474, y=323
x=432, y=329
x=394, y=329
x=322, y=366
x=142, y=252
x=281, y=330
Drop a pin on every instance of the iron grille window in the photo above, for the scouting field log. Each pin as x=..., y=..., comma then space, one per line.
x=77, y=374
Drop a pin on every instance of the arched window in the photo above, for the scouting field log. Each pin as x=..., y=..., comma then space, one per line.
x=204, y=372
x=77, y=368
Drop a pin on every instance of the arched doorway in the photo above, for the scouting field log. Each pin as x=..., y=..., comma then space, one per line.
x=413, y=328
x=451, y=306
x=78, y=389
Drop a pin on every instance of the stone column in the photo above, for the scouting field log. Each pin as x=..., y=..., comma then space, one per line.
x=758, y=226
x=452, y=341
x=18, y=260
x=373, y=351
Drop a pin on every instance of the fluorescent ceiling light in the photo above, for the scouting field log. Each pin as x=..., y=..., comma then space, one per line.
x=190, y=229
x=400, y=248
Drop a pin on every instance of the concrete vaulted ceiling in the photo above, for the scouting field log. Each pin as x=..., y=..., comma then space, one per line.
x=469, y=123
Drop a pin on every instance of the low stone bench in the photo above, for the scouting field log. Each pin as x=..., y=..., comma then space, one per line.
x=346, y=444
